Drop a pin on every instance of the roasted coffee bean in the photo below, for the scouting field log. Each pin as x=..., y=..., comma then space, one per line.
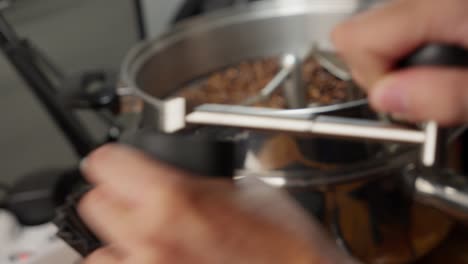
x=239, y=82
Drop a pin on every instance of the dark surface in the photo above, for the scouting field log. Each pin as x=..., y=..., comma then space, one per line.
x=30, y=140
x=453, y=250
x=198, y=155
x=72, y=230
x=437, y=55
x=27, y=61
x=34, y=199
x=140, y=19
x=196, y=7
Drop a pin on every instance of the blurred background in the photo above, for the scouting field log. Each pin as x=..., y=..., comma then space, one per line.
x=77, y=36
x=85, y=35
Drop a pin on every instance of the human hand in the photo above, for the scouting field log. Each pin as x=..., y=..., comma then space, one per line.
x=147, y=212
x=372, y=42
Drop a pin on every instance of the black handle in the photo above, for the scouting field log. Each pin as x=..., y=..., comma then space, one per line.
x=421, y=180
x=194, y=153
x=436, y=54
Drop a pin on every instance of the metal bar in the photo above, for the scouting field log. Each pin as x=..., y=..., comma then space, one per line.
x=434, y=152
x=289, y=62
x=332, y=64
x=7, y=34
x=20, y=55
x=140, y=19
x=71, y=126
x=355, y=128
x=294, y=89
x=324, y=126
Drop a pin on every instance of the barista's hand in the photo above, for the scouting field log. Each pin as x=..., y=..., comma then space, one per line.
x=148, y=213
x=370, y=43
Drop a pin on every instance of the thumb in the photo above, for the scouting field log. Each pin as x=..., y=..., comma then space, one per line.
x=424, y=94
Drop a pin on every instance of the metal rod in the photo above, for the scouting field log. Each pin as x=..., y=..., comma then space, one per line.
x=23, y=58
x=140, y=19
x=324, y=126
x=293, y=87
x=289, y=62
x=7, y=34
x=331, y=62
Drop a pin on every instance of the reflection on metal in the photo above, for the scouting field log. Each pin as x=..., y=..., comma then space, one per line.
x=442, y=189
x=330, y=61
x=429, y=152
x=324, y=126
x=288, y=65
x=277, y=182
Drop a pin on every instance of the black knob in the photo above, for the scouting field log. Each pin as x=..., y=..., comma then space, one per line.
x=445, y=55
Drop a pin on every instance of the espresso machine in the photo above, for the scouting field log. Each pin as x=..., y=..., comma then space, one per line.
x=383, y=188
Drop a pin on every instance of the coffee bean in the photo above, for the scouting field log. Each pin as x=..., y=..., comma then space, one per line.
x=235, y=84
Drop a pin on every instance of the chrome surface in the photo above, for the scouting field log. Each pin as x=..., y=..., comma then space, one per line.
x=294, y=88
x=289, y=63
x=293, y=113
x=430, y=148
x=443, y=189
x=330, y=61
x=324, y=126
x=156, y=69
x=324, y=179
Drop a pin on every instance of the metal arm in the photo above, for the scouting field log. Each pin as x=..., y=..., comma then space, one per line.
x=43, y=78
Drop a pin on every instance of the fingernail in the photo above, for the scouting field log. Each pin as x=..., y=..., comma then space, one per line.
x=390, y=96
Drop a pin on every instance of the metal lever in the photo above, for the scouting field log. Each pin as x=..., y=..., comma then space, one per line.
x=434, y=185
x=429, y=138
x=435, y=55
x=323, y=126
x=174, y=117
x=288, y=64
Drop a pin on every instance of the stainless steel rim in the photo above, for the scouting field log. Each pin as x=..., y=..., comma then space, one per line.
x=139, y=55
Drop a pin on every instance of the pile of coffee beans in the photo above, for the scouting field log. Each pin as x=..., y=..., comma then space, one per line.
x=235, y=84
x=322, y=87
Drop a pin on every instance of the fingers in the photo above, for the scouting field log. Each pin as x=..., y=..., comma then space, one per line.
x=424, y=94
x=177, y=221
x=109, y=218
x=125, y=226
x=367, y=42
x=372, y=42
x=156, y=203
x=127, y=172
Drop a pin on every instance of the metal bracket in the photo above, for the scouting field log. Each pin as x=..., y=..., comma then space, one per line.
x=173, y=117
